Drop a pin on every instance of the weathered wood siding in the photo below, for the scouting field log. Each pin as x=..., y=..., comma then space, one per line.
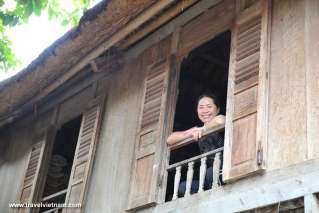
x=287, y=115
x=109, y=185
x=312, y=75
x=13, y=163
x=293, y=116
x=293, y=103
x=112, y=161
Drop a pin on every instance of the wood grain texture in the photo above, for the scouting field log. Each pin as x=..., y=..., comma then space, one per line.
x=13, y=165
x=116, y=146
x=119, y=130
x=74, y=105
x=287, y=107
x=204, y=27
x=245, y=129
x=152, y=25
x=145, y=174
x=312, y=75
x=262, y=190
x=246, y=103
x=84, y=156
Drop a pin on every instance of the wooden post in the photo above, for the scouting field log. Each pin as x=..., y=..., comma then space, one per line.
x=176, y=181
x=189, y=180
x=216, y=169
x=202, y=173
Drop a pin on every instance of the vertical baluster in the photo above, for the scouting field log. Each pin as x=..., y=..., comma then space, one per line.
x=176, y=181
x=189, y=180
x=202, y=173
x=216, y=169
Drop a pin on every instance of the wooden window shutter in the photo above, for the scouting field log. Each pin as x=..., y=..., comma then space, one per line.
x=149, y=139
x=245, y=135
x=32, y=182
x=83, y=157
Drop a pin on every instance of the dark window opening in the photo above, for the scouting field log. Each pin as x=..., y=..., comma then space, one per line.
x=60, y=164
x=204, y=70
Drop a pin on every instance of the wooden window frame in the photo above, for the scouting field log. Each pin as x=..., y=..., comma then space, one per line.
x=173, y=96
x=44, y=140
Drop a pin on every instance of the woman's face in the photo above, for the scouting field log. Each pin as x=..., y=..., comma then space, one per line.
x=206, y=109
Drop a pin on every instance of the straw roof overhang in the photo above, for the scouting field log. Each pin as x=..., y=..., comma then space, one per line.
x=110, y=23
x=97, y=24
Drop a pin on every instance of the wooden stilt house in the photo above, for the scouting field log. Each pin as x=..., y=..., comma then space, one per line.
x=86, y=123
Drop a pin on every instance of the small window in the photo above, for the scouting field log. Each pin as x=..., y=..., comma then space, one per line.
x=60, y=164
x=204, y=70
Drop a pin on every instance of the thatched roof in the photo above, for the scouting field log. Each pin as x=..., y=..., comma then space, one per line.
x=96, y=26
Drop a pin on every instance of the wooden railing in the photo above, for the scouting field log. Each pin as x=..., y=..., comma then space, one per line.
x=203, y=160
x=53, y=197
x=187, y=141
x=54, y=210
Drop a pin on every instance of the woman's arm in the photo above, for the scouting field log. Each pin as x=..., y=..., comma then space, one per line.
x=181, y=135
x=216, y=121
x=195, y=132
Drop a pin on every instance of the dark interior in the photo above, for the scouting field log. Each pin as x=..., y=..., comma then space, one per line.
x=205, y=69
x=61, y=160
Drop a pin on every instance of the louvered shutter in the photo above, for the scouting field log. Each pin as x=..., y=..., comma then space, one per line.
x=149, y=140
x=247, y=93
x=83, y=158
x=30, y=185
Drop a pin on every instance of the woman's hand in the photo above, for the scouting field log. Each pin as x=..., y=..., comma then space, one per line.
x=195, y=132
x=216, y=121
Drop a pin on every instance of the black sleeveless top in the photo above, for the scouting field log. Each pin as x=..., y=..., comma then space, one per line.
x=212, y=141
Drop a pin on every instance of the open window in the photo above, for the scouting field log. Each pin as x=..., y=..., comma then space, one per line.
x=246, y=98
x=242, y=91
x=204, y=70
x=60, y=163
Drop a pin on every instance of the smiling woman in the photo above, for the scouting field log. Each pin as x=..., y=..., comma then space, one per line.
x=208, y=108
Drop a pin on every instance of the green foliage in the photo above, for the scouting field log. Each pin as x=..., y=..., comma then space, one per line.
x=21, y=13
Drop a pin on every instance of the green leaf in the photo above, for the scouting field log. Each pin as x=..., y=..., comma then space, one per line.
x=21, y=14
x=36, y=8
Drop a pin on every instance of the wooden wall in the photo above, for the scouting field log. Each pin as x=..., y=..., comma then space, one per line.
x=112, y=163
x=14, y=161
x=109, y=185
x=312, y=75
x=293, y=103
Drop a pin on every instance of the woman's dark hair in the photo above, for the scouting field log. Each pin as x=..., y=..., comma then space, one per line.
x=210, y=95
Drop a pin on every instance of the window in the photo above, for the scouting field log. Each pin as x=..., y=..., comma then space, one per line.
x=246, y=110
x=60, y=163
x=66, y=161
x=205, y=69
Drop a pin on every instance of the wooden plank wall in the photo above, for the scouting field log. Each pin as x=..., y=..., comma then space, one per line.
x=293, y=105
x=204, y=27
x=312, y=75
x=109, y=185
x=13, y=163
x=287, y=110
x=294, y=111
x=113, y=155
